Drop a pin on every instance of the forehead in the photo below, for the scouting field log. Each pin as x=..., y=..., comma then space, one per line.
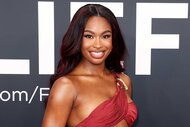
x=97, y=23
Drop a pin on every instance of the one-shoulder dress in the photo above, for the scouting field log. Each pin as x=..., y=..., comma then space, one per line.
x=112, y=111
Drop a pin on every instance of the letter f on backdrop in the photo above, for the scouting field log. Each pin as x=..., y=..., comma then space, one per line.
x=145, y=41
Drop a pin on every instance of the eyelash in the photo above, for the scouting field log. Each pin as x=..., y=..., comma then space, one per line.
x=90, y=36
x=106, y=36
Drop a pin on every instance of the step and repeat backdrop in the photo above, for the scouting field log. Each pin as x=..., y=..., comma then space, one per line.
x=157, y=35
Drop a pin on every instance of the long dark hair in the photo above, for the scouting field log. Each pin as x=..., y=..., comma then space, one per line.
x=71, y=43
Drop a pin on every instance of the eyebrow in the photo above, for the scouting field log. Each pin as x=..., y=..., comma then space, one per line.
x=106, y=31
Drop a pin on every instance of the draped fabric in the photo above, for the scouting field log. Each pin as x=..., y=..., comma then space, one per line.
x=112, y=111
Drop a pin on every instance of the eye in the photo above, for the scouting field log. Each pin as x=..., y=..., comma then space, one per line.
x=106, y=36
x=88, y=36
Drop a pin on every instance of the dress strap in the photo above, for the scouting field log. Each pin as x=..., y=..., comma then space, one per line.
x=120, y=81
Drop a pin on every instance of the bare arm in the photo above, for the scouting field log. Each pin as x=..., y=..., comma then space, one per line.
x=59, y=104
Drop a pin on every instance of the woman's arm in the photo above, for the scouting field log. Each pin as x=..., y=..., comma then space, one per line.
x=60, y=101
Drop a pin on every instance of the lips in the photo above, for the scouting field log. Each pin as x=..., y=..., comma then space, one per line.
x=97, y=55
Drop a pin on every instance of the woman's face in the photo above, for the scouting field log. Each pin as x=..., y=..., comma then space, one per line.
x=97, y=40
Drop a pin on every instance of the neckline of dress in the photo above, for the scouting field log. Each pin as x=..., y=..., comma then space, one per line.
x=117, y=85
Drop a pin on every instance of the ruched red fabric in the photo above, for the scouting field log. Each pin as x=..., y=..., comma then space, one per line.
x=112, y=111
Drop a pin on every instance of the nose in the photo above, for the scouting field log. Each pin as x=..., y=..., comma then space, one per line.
x=97, y=43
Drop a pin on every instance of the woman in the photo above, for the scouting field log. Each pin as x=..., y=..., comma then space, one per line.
x=89, y=88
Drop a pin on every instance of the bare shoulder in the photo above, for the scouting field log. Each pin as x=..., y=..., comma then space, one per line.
x=62, y=86
x=60, y=101
x=63, y=82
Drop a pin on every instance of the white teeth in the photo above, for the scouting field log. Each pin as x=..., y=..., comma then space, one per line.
x=97, y=54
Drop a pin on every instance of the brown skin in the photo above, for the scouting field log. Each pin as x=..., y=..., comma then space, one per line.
x=74, y=96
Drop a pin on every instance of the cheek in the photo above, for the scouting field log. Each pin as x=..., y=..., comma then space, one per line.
x=86, y=43
x=109, y=44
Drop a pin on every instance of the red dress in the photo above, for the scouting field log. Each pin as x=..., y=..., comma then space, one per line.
x=112, y=111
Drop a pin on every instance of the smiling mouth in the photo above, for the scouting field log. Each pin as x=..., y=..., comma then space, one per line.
x=97, y=55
